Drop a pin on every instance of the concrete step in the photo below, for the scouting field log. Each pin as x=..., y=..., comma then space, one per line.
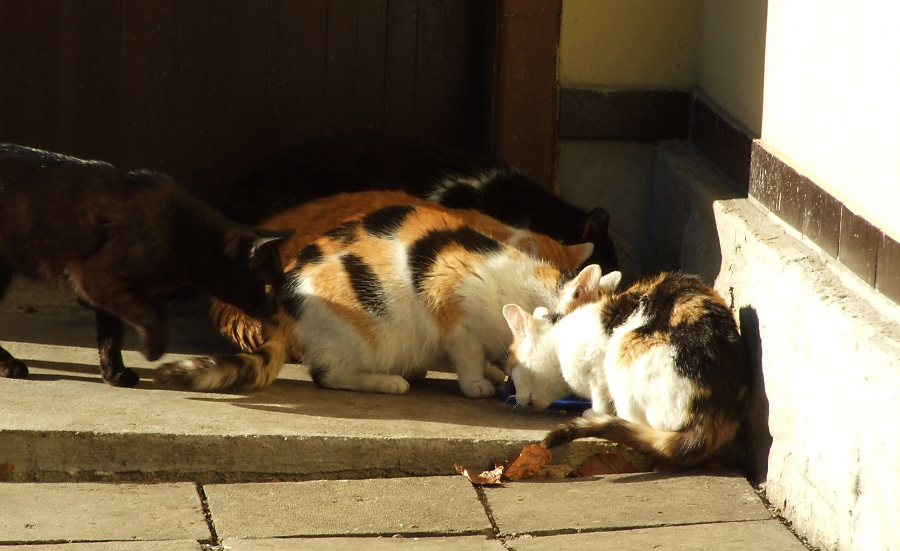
x=63, y=423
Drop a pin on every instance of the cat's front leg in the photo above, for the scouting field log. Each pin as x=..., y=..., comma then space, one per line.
x=468, y=357
x=110, y=335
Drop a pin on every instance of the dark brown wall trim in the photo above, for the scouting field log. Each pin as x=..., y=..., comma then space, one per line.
x=624, y=114
x=721, y=142
x=853, y=241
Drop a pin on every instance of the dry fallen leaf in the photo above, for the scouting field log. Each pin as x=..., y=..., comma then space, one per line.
x=555, y=471
x=487, y=477
x=527, y=463
x=605, y=463
x=5, y=469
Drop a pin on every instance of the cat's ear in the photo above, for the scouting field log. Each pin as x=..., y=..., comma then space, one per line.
x=253, y=243
x=587, y=282
x=529, y=247
x=517, y=319
x=596, y=224
x=268, y=241
x=580, y=253
x=610, y=281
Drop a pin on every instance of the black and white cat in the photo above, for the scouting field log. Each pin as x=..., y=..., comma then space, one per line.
x=325, y=166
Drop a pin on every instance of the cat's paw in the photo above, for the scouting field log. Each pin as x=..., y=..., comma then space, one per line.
x=393, y=384
x=123, y=378
x=493, y=373
x=13, y=369
x=477, y=389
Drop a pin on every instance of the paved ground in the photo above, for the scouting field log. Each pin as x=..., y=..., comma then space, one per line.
x=96, y=468
x=622, y=512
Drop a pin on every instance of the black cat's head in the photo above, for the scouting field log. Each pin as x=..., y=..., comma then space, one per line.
x=250, y=274
x=595, y=229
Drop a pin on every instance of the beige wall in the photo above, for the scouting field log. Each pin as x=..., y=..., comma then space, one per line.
x=732, y=58
x=817, y=80
x=630, y=43
x=832, y=99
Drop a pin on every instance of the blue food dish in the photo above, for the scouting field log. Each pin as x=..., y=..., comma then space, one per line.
x=573, y=403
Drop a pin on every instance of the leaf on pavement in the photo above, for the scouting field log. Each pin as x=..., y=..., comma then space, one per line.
x=489, y=478
x=527, y=463
x=605, y=463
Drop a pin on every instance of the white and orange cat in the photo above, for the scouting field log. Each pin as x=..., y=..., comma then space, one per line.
x=385, y=297
x=662, y=362
x=314, y=219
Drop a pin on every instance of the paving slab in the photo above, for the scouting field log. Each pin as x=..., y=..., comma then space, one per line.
x=623, y=501
x=406, y=506
x=34, y=512
x=183, y=545
x=459, y=543
x=764, y=535
x=63, y=423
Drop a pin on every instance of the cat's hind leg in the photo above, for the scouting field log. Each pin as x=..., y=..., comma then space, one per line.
x=360, y=381
x=10, y=367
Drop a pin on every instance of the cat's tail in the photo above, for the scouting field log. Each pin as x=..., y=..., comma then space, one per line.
x=685, y=447
x=237, y=326
x=239, y=372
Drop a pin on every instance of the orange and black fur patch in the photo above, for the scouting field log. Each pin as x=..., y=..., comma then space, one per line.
x=349, y=296
x=681, y=312
x=340, y=216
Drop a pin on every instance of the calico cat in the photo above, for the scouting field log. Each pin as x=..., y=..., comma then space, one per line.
x=662, y=362
x=324, y=166
x=125, y=242
x=314, y=219
x=383, y=299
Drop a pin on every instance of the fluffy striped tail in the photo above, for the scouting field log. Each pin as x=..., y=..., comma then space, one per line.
x=237, y=326
x=240, y=372
x=686, y=447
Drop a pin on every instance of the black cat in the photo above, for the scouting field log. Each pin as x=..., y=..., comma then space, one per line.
x=325, y=166
x=126, y=243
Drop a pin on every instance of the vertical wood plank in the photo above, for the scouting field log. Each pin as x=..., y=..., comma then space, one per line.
x=448, y=92
x=237, y=91
x=295, y=82
x=30, y=109
x=188, y=131
x=147, y=82
x=340, y=69
x=400, y=68
x=104, y=48
x=72, y=93
x=370, y=55
x=161, y=77
x=526, y=88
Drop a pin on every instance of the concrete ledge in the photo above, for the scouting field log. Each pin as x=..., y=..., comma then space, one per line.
x=64, y=424
x=827, y=349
